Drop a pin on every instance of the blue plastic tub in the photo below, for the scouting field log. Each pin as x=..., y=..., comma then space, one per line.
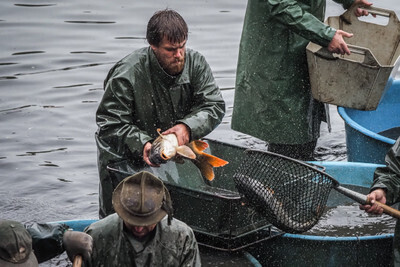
x=324, y=250
x=365, y=139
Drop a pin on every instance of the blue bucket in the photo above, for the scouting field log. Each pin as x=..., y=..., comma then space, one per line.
x=364, y=129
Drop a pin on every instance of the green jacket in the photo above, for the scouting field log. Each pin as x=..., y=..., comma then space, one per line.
x=388, y=178
x=171, y=245
x=273, y=98
x=140, y=97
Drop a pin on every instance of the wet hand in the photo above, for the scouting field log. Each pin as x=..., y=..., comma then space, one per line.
x=338, y=45
x=146, y=155
x=376, y=195
x=360, y=11
x=181, y=131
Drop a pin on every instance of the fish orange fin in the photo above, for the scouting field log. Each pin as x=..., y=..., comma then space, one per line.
x=208, y=172
x=213, y=160
x=198, y=145
x=186, y=152
x=205, y=168
x=205, y=162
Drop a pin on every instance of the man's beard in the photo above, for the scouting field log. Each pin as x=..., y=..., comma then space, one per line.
x=172, y=68
x=175, y=67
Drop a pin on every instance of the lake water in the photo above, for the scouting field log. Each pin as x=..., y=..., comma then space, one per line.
x=54, y=57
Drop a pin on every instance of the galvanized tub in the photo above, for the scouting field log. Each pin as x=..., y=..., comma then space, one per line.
x=357, y=80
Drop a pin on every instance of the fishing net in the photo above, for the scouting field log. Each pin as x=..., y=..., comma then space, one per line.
x=290, y=193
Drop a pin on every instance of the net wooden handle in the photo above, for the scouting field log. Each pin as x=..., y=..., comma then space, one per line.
x=77, y=261
x=387, y=209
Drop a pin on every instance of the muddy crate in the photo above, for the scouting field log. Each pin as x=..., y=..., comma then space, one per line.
x=358, y=80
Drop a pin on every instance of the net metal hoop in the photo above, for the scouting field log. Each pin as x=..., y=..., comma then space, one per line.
x=290, y=193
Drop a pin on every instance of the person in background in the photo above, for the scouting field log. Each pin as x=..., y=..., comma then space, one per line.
x=386, y=189
x=164, y=85
x=21, y=246
x=273, y=98
x=142, y=232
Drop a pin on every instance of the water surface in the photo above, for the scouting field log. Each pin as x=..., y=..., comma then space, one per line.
x=54, y=57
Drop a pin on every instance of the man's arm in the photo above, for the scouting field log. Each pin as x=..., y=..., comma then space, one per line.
x=291, y=14
x=115, y=120
x=208, y=107
x=50, y=240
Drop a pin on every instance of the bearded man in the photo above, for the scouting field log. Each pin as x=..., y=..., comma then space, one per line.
x=164, y=85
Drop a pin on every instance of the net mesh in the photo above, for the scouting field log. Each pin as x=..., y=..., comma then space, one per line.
x=291, y=194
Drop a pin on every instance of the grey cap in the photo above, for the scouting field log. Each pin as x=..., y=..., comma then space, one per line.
x=15, y=245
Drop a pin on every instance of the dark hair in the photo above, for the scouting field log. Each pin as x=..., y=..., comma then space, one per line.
x=166, y=23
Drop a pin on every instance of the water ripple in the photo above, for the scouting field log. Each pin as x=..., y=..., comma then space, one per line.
x=33, y=153
x=73, y=85
x=34, y=5
x=8, y=78
x=17, y=108
x=130, y=38
x=28, y=52
x=89, y=22
x=87, y=52
x=66, y=68
x=49, y=164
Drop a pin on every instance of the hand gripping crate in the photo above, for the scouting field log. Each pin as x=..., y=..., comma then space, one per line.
x=358, y=80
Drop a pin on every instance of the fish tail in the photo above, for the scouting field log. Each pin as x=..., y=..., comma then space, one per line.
x=213, y=160
x=206, y=169
x=205, y=162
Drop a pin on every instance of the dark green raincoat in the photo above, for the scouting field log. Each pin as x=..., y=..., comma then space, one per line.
x=272, y=95
x=140, y=97
x=388, y=178
x=170, y=245
x=47, y=240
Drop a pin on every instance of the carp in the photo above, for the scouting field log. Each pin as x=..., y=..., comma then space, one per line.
x=278, y=212
x=166, y=148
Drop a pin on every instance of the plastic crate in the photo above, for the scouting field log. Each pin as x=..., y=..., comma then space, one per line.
x=357, y=80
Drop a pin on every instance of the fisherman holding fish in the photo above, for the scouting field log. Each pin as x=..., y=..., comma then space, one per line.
x=163, y=86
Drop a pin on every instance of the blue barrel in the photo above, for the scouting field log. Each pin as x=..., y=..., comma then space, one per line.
x=370, y=134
